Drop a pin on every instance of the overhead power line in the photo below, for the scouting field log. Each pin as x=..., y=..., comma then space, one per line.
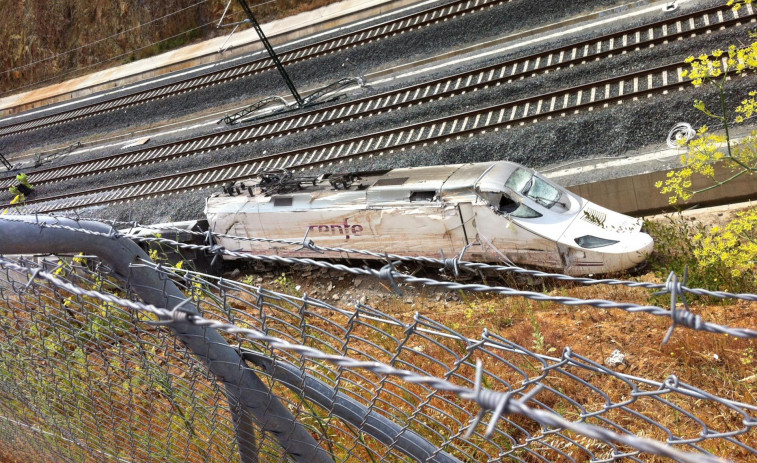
x=72, y=71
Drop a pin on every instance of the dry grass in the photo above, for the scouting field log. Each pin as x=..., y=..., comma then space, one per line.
x=721, y=365
x=284, y=8
x=35, y=34
x=24, y=452
x=91, y=371
x=127, y=387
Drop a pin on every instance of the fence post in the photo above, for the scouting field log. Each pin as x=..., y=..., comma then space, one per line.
x=30, y=235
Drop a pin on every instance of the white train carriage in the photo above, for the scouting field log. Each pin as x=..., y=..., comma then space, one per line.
x=501, y=211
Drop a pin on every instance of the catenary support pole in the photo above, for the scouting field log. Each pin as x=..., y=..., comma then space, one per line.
x=5, y=162
x=271, y=52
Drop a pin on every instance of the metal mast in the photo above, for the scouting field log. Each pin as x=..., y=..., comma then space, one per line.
x=272, y=53
x=5, y=162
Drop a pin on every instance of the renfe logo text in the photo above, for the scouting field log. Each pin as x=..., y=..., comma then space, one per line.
x=343, y=229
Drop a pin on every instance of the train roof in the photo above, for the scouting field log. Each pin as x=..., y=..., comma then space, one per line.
x=445, y=182
x=403, y=186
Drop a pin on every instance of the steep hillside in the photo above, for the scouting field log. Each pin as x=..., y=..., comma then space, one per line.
x=51, y=41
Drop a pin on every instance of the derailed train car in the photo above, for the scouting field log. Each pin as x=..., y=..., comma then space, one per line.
x=499, y=211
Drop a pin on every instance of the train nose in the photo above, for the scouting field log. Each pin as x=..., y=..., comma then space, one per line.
x=645, y=245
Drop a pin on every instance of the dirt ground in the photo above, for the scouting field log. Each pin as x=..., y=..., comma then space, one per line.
x=589, y=331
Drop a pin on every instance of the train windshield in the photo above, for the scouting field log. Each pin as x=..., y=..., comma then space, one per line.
x=528, y=184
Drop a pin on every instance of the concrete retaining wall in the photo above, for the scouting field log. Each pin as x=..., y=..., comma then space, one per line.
x=638, y=196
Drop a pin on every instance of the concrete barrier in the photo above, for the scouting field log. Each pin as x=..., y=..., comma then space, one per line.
x=637, y=195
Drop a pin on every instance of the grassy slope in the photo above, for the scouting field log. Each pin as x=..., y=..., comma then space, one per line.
x=47, y=31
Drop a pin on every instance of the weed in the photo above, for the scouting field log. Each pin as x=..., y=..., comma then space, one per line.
x=747, y=357
x=480, y=307
x=682, y=244
x=537, y=335
x=90, y=344
x=728, y=253
x=287, y=285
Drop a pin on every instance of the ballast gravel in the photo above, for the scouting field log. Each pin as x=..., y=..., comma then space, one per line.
x=613, y=131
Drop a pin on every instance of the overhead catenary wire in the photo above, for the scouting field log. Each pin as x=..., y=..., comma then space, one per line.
x=104, y=39
x=74, y=71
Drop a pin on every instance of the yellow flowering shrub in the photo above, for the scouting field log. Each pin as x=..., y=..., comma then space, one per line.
x=700, y=157
x=737, y=4
x=708, y=148
x=732, y=249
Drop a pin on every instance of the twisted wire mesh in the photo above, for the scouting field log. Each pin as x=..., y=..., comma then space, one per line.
x=618, y=402
x=90, y=380
x=182, y=414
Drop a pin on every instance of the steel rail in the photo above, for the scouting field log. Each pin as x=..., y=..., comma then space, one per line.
x=489, y=76
x=301, y=53
x=547, y=106
x=324, y=47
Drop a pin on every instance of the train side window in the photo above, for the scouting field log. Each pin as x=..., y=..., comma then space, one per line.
x=422, y=196
x=507, y=205
x=525, y=212
x=282, y=202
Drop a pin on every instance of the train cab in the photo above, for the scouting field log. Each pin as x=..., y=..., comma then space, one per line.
x=588, y=238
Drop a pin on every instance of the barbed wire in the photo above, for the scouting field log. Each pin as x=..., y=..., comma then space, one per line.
x=678, y=316
x=451, y=263
x=567, y=357
x=497, y=403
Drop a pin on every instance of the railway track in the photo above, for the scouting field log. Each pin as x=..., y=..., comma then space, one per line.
x=712, y=17
x=562, y=103
x=645, y=36
x=352, y=39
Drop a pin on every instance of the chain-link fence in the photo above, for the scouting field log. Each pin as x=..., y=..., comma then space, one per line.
x=108, y=356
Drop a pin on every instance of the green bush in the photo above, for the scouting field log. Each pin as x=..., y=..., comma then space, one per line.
x=717, y=258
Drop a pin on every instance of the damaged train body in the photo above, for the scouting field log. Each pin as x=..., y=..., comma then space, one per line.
x=496, y=211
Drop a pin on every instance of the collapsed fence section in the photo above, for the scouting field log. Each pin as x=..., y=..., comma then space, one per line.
x=91, y=370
